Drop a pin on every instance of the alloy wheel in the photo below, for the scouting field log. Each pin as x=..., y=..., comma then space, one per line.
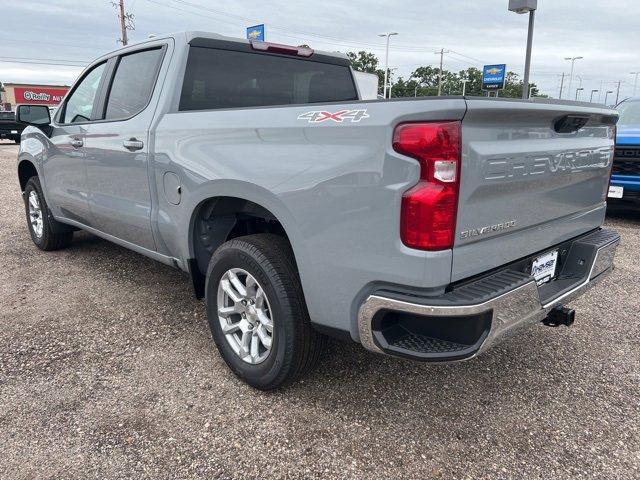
x=245, y=315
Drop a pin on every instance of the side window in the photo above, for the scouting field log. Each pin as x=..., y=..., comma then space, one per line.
x=133, y=84
x=79, y=106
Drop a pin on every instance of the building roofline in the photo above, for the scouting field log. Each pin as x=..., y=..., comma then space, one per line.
x=23, y=84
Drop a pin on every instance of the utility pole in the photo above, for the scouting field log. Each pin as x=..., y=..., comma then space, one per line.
x=441, y=53
x=464, y=87
x=635, y=82
x=561, y=86
x=123, y=26
x=386, y=62
x=126, y=21
x=618, y=91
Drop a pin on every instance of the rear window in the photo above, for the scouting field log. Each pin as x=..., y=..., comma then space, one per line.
x=230, y=79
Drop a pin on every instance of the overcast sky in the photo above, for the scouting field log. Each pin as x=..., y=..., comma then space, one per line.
x=480, y=32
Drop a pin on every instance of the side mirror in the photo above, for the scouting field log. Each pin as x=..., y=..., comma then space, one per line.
x=38, y=115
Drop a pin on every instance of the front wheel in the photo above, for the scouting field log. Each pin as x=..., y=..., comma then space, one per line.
x=257, y=313
x=46, y=232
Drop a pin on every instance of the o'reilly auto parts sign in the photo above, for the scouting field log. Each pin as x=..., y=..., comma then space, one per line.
x=494, y=76
x=39, y=95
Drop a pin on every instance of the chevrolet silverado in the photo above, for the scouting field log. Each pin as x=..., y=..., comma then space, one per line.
x=426, y=228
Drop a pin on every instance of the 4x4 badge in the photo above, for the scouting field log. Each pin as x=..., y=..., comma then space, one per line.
x=319, y=116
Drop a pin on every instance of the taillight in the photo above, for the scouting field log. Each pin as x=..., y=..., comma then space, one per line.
x=428, y=217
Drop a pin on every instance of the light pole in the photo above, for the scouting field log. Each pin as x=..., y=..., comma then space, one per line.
x=531, y=91
x=573, y=61
x=415, y=91
x=591, y=97
x=526, y=6
x=464, y=87
x=635, y=82
x=607, y=95
x=386, y=61
x=578, y=90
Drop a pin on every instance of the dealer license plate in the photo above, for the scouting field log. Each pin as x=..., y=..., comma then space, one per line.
x=544, y=267
x=615, y=192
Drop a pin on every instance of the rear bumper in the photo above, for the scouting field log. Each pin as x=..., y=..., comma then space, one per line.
x=473, y=316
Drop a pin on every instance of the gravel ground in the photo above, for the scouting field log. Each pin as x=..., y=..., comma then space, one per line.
x=107, y=369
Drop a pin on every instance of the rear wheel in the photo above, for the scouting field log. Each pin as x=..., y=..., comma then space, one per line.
x=46, y=232
x=257, y=313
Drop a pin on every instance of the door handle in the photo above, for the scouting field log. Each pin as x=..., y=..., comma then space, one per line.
x=133, y=144
x=76, y=143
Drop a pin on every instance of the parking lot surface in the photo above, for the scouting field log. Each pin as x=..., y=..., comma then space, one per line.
x=107, y=369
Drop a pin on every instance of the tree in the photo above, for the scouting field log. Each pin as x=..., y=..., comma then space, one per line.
x=406, y=88
x=367, y=62
x=513, y=87
x=424, y=80
x=474, y=81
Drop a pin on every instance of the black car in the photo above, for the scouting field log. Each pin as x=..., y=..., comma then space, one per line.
x=9, y=128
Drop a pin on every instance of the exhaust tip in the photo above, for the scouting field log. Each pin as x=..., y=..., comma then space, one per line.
x=560, y=315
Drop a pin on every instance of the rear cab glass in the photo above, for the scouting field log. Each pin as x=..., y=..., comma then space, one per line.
x=220, y=78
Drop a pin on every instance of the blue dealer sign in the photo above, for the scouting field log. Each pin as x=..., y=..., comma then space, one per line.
x=494, y=76
x=256, y=33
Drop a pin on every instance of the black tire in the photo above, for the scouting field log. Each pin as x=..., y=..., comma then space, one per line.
x=296, y=346
x=54, y=235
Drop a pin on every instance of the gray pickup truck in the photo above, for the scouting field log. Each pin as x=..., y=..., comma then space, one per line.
x=422, y=228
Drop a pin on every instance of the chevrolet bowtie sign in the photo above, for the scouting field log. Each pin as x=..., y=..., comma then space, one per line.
x=256, y=33
x=493, y=77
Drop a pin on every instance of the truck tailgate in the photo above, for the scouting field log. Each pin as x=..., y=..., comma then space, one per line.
x=532, y=176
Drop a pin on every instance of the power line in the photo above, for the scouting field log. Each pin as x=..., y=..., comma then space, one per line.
x=28, y=62
x=482, y=62
x=45, y=59
x=39, y=42
x=242, y=21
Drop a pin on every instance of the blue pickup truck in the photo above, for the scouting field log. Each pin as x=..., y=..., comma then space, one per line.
x=625, y=175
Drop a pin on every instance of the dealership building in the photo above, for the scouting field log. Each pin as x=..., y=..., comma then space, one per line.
x=24, y=93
